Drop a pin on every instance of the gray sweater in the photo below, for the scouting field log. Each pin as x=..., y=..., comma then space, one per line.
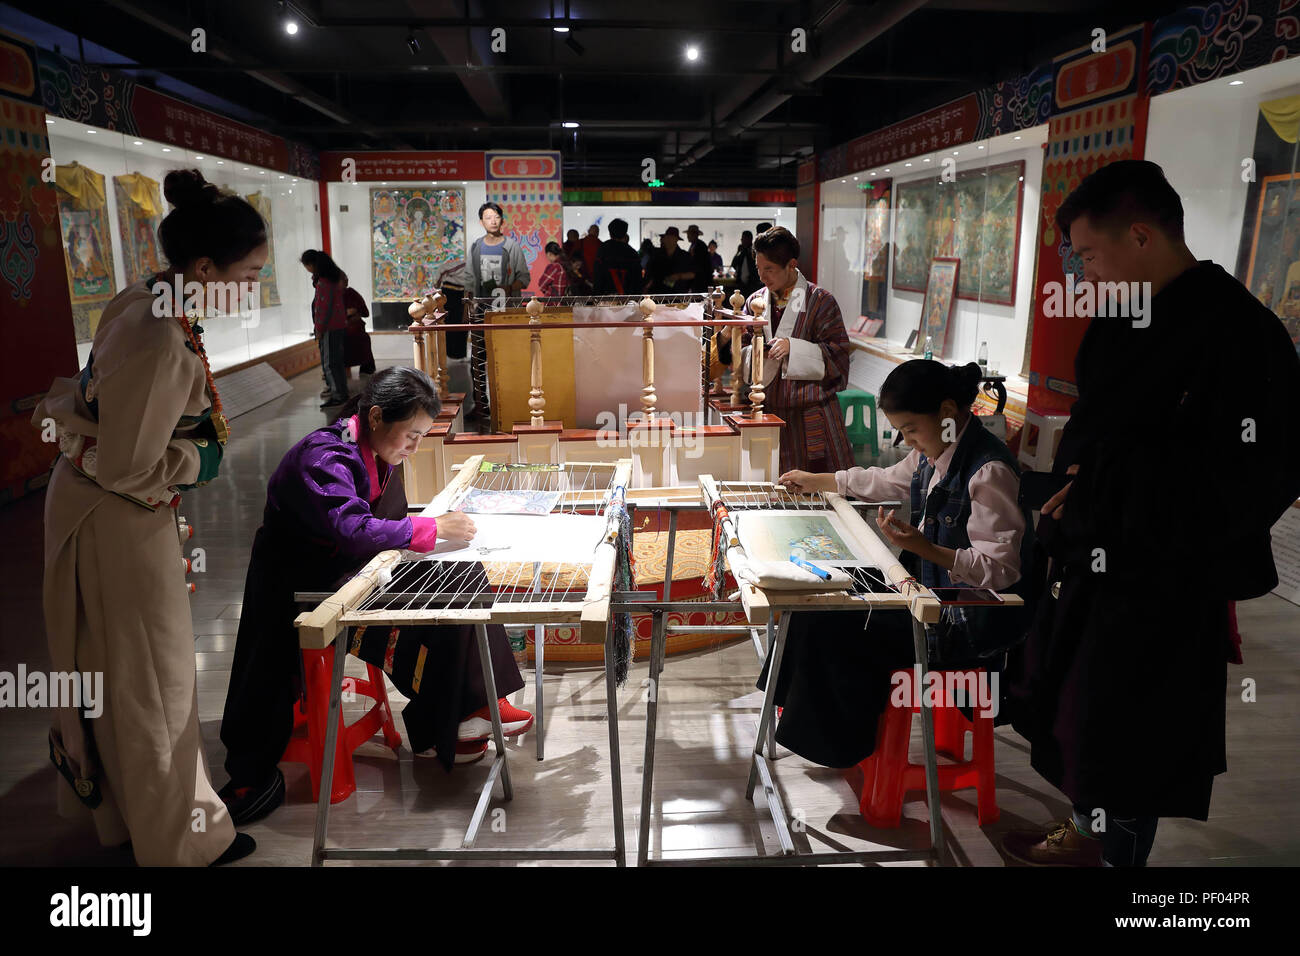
x=515, y=269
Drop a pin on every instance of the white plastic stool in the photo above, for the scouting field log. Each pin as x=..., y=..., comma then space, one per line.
x=1039, y=455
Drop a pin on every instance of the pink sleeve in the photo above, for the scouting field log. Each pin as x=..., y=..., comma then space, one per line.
x=995, y=527
x=880, y=484
x=424, y=533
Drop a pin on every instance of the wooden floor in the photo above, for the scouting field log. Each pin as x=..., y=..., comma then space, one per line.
x=707, y=716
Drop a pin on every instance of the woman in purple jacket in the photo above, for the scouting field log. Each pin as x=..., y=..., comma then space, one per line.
x=336, y=501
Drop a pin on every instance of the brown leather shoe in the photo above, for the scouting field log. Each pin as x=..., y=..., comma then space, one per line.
x=1060, y=845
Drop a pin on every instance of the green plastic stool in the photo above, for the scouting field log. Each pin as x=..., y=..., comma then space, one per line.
x=861, y=425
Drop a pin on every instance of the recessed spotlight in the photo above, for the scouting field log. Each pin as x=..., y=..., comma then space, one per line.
x=927, y=159
x=290, y=27
x=261, y=172
x=855, y=179
x=886, y=169
x=167, y=149
x=91, y=132
x=48, y=121
x=245, y=169
x=560, y=29
x=282, y=177
x=221, y=162
x=198, y=157
x=1016, y=137
x=979, y=147
x=570, y=125
x=954, y=152
x=384, y=183
x=1236, y=82
x=138, y=142
x=907, y=164
x=692, y=53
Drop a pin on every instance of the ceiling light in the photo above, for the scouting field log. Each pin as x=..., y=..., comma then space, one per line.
x=1236, y=82
x=48, y=121
x=261, y=172
x=412, y=44
x=282, y=177
x=91, y=132
x=245, y=169
x=221, y=162
x=927, y=159
x=907, y=164
x=560, y=29
x=1016, y=137
x=980, y=146
x=570, y=125
x=138, y=142
x=198, y=157
x=167, y=149
x=290, y=27
x=692, y=53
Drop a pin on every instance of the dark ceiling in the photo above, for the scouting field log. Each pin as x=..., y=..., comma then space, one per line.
x=741, y=115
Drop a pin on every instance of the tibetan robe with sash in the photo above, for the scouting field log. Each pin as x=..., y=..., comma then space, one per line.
x=801, y=389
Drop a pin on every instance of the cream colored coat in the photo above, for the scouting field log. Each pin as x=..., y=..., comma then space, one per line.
x=115, y=595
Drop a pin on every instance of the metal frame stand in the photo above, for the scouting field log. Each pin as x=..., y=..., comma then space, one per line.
x=761, y=762
x=320, y=853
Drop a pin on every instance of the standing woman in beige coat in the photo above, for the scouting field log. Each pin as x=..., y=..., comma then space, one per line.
x=141, y=424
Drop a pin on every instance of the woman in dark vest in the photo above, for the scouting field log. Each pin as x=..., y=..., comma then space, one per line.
x=336, y=501
x=966, y=528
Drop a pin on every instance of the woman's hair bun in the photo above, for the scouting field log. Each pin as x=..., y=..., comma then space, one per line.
x=187, y=187
x=966, y=381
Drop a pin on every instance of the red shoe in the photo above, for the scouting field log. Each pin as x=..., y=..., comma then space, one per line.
x=470, y=751
x=478, y=725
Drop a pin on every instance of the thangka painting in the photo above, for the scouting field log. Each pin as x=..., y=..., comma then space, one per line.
x=139, y=213
x=775, y=535
x=416, y=233
x=938, y=305
x=975, y=218
x=87, y=245
x=270, y=291
x=1273, y=269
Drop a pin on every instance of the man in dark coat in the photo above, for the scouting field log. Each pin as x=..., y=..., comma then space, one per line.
x=618, y=266
x=1184, y=450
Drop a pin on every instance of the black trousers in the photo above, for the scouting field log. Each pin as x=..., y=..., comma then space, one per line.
x=332, y=363
x=834, y=681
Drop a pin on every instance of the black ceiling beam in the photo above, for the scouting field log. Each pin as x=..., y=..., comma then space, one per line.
x=546, y=23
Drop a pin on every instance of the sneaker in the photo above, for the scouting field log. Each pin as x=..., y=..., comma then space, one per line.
x=247, y=804
x=478, y=725
x=1059, y=845
x=467, y=751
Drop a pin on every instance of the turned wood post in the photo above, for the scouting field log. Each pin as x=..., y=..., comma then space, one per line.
x=737, y=303
x=648, y=397
x=756, y=391
x=536, y=396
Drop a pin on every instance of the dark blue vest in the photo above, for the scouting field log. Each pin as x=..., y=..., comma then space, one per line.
x=972, y=632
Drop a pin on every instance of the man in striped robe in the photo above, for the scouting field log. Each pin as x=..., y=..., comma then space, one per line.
x=806, y=359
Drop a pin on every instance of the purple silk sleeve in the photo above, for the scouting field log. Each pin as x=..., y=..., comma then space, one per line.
x=335, y=503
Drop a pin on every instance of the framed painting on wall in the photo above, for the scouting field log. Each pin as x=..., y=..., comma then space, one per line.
x=939, y=299
x=415, y=233
x=87, y=245
x=270, y=291
x=139, y=213
x=975, y=218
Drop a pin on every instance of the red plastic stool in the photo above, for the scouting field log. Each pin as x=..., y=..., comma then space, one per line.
x=318, y=669
x=888, y=773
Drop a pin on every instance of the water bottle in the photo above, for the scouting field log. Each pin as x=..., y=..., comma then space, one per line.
x=929, y=347
x=983, y=358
